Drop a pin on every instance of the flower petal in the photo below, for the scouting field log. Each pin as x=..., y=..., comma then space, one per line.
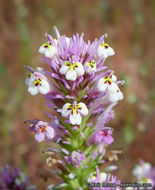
x=45, y=88
x=65, y=112
x=103, y=177
x=50, y=132
x=101, y=86
x=41, y=123
x=101, y=51
x=29, y=80
x=84, y=109
x=113, y=97
x=50, y=52
x=110, y=51
x=40, y=75
x=71, y=75
x=42, y=49
x=120, y=94
x=75, y=119
x=113, y=87
x=40, y=137
x=63, y=70
x=91, y=178
x=114, y=78
x=138, y=171
x=97, y=137
x=79, y=70
x=33, y=90
x=108, y=139
x=88, y=68
x=146, y=166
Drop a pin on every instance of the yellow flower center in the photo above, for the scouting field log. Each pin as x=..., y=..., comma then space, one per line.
x=47, y=45
x=92, y=64
x=107, y=80
x=106, y=46
x=74, y=108
x=38, y=82
x=94, y=177
x=144, y=180
x=72, y=66
x=43, y=129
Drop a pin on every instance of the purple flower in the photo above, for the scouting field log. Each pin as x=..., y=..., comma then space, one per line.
x=112, y=179
x=102, y=136
x=97, y=177
x=43, y=130
x=101, y=177
x=12, y=179
x=75, y=158
x=80, y=90
x=151, y=175
x=105, y=116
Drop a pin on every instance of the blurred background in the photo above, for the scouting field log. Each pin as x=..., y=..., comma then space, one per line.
x=130, y=26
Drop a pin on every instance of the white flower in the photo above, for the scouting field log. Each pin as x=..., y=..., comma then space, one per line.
x=29, y=79
x=48, y=49
x=141, y=170
x=72, y=71
x=90, y=66
x=74, y=112
x=92, y=177
x=105, y=50
x=107, y=84
x=115, y=96
x=30, y=75
x=36, y=83
x=146, y=180
x=71, y=175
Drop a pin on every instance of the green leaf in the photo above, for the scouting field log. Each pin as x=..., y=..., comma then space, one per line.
x=87, y=132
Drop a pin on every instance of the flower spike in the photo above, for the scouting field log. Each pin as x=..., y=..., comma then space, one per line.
x=81, y=93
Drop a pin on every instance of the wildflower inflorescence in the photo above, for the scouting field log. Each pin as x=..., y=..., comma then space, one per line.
x=82, y=95
x=12, y=179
